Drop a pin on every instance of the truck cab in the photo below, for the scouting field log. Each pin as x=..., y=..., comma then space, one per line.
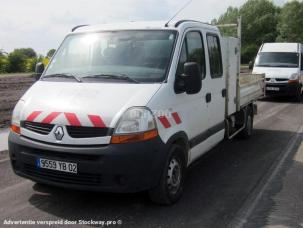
x=282, y=63
x=128, y=107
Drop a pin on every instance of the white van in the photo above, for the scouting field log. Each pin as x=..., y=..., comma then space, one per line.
x=128, y=107
x=282, y=63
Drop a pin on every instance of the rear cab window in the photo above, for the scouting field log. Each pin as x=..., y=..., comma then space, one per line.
x=215, y=56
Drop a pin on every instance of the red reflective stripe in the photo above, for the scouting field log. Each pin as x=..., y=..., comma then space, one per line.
x=96, y=121
x=176, y=118
x=164, y=121
x=33, y=115
x=50, y=117
x=72, y=119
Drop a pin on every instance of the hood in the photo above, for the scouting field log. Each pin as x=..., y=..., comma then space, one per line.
x=275, y=72
x=83, y=104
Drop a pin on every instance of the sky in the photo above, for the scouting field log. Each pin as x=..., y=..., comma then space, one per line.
x=42, y=25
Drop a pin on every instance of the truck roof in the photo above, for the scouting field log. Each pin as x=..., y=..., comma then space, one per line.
x=144, y=25
x=280, y=47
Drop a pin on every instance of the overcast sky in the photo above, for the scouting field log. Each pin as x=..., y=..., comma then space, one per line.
x=43, y=24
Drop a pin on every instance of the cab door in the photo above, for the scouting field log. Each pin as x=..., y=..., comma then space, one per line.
x=194, y=106
x=216, y=91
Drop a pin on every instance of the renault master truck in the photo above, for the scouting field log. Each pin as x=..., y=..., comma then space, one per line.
x=282, y=63
x=129, y=107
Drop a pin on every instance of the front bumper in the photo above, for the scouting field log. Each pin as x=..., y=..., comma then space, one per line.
x=283, y=89
x=129, y=167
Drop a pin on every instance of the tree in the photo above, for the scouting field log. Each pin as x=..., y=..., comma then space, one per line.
x=30, y=64
x=50, y=53
x=260, y=21
x=259, y=25
x=3, y=64
x=16, y=61
x=22, y=60
x=229, y=17
x=27, y=52
x=290, y=22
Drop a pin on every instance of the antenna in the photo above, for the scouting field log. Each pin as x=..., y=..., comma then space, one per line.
x=182, y=8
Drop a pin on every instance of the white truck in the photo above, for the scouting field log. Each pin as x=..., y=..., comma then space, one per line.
x=128, y=107
x=282, y=64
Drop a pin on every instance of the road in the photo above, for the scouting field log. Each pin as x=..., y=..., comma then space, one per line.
x=238, y=184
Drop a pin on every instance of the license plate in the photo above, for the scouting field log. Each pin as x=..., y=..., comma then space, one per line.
x=67, y=167
x=273, y=88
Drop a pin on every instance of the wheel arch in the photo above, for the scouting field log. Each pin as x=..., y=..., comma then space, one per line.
x=180, y=138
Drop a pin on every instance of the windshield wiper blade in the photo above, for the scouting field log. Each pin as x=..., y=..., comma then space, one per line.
x=287, y=65
x=265, y=65
x=63, y=75
x=113, y=76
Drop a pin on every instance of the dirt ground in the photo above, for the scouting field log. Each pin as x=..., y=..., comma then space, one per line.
x=12, y=87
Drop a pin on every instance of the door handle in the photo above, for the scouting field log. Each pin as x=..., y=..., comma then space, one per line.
x=208, y=97
x=223, y=92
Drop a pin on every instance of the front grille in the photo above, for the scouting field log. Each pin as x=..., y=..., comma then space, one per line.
x=73, y=131
x=87, y=179
x=40, y=128
x=88, y=132
x=281, y=79
x=277, y=79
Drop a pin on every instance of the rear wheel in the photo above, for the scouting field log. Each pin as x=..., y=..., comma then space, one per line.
x=170, y=187
x=249, y=123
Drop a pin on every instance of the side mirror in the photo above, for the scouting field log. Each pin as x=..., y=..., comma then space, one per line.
x=192, y=78
x=250, y=65
x=39, y=70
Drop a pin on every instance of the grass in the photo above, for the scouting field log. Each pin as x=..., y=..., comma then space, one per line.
x=16, y=74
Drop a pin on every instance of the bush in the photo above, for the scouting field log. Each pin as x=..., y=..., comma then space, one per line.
x=4, y=63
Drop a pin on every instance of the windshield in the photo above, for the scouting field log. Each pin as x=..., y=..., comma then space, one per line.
x=139, y=56
x=277, y=59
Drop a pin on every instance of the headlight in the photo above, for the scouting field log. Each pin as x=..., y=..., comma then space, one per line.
x=136, y=124
x=294, y=78
x=15, y=125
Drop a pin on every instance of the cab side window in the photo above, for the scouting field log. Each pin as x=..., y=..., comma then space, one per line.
x=215, y=57
x=192, y=51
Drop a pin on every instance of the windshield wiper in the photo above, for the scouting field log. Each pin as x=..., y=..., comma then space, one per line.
x=63, y=75
x=287, y=65
x=113, y=76
x=264, y=65
x=278, y=65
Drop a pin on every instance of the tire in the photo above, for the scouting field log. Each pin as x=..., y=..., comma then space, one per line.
x=249, y=123
x=298, y=97
x=170, y=187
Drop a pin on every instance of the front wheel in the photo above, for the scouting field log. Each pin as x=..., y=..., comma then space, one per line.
x=170, y=187
x=298, y=96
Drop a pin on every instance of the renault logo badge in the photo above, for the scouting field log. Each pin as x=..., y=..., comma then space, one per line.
x=59, y=133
